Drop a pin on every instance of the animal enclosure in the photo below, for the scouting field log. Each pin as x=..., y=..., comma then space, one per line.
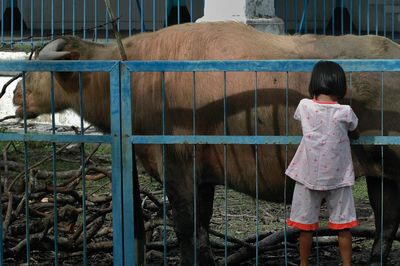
x=164, y=137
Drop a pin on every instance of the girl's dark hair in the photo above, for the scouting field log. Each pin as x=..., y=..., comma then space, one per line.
x=328, y=78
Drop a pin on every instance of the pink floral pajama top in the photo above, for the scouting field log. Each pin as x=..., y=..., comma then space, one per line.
x=323, y=158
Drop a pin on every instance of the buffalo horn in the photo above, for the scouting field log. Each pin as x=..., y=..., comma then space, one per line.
x=52, y=51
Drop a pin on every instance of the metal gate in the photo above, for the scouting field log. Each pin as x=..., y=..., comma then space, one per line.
x=121, y=135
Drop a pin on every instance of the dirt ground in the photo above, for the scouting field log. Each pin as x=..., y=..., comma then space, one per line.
x=237, y=216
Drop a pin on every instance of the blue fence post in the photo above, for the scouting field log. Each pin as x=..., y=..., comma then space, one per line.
x=115, y=109
x=128, y=182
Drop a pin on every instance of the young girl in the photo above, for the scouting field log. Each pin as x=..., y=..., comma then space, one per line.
x=322, y=166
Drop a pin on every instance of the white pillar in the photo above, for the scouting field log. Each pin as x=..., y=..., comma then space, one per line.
x=257, y=13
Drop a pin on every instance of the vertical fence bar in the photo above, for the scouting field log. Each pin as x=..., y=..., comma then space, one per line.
x=52, y=19
x=26, y=176
x=286, y=14
x=305, y=7
x=62, y=17
x=295, y=15
x=341, y=17
x=286, y=164
x=95, y=20
x=54, y=166
x=194, y=170
x=179, y=11
x=73, y=17
x=392, y=19
x=2, y=24
x=351, y=16
x=22, y=22
x=130, y=17
x=106, y=16
x=84, y=19
x=41, y=22
x=315, y=16
x=128, y=182
x=382, y=170
x=166, y=13
x=225, y=178
x=257, y=167
x=164, y=180
x=118, y=13
x=83, y=165
x=324, y=16
x=12, y=24
x=359, y=17
x=31, y=37
x=384, y=18
x=333, y=17
x=115, y=110
x=154, y=15
x=191, y=11
x=141, y=16
x=376, y=18
x=368, y=17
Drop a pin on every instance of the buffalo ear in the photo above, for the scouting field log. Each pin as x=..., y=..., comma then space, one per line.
x=55, y=51
x=69, y=80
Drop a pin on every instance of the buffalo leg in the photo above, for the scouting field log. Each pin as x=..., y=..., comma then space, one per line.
x=391, y=216
x=204, y=212
x=179, y=188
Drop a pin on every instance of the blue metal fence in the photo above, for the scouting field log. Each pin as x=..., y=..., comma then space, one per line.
x=338, y=17
x=114, y=139
x=121, y=135
x=284, y=66
x=29, y=21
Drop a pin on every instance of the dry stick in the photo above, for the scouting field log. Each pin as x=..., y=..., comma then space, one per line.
x=94, y=227
x=276, y=238
x=35, y=165
x=116, y=32
x=3, y=91
x=99, y=213
x=152, y=198
x=7, y=118
x=7, y=219
x=5, y=158
x=99, y=188
x=20, y=206
x=232, y=239
x=39, y=163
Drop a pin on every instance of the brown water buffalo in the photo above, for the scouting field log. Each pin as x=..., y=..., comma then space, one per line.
x=226, y=41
